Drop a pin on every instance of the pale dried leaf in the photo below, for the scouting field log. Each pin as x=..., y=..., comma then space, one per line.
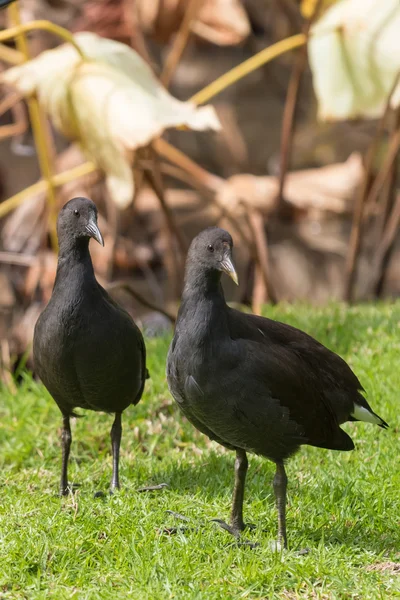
x=222, y=22
x=111, y=103
x=329, y=188
x=354, y=53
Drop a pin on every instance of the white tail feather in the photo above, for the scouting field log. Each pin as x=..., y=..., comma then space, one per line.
x=363, y=414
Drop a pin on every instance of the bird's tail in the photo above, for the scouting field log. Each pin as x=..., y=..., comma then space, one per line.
x=360, y=413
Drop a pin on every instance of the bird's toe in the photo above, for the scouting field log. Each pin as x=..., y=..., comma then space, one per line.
x=182, y=529
x=234, y=529
x=152, y=488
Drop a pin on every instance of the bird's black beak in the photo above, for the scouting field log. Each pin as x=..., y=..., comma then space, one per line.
x=228, y=268
x=94, y=231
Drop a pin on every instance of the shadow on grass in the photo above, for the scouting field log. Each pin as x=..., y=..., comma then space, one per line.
x=215, y=479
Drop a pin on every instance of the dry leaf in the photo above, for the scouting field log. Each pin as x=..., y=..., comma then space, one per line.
x=354, y=54
x=111, y=103
x=329, y=188
x=222, y=22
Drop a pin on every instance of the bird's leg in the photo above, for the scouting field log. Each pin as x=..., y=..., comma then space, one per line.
x=66, y=446
x=237, y=524
x=241, y=466
x=280, y=485
x=116, y=433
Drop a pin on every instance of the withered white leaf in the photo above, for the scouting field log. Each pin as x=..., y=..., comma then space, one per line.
x=111, y=103
x=354, y=53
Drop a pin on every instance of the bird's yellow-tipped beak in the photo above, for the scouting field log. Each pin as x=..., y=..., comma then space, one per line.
x=228, y=268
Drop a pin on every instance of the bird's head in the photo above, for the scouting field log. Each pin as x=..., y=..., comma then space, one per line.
x=77, y=220
x=211, y=251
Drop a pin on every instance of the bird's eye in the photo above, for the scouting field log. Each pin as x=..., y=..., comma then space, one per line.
x=210, y=248
x=76, y=212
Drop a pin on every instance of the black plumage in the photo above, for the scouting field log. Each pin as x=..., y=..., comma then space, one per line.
x=253, y=384
x=86, y=348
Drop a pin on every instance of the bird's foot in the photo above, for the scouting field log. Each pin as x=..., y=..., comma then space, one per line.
x=115, y=487
x=152, y=488
x=70, y=488
x=236, y=531
x=177, y=515
x=100, y=494
x=175, y=530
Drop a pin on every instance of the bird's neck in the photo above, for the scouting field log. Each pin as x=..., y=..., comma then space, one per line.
x=203, y=304
x=74, y=267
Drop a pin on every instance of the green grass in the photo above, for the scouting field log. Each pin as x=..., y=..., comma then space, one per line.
x=344, y=507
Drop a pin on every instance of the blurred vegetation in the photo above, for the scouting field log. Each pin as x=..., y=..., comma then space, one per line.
x=313, y=205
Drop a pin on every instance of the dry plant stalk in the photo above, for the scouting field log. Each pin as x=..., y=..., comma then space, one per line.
x=180, y=42
x=361, y=201
x=292, y=95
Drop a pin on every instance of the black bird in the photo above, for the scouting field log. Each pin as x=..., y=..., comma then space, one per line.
x=86, y=348
x=253, y=384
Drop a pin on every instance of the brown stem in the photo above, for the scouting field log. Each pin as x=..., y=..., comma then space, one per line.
x=9, y=101
x=180, y=42
x=209, y=180
x=385, y=169
x=154, y=177
x=385, y=214
x=13, y=258
x=356, y=227
x=173, y=260
x=125, y=285
x=262, y=285
x=200, y=177
x=289, y=112
x=213, y=184
x=383, y=251
x=289, y=116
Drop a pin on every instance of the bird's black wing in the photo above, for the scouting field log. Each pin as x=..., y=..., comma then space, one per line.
x=145, y=373
x=317, y=387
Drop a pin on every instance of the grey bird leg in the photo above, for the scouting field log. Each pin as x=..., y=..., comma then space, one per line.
x=66, y=439
x=280, y=485
x=241, y=466
x=237, y=525
x=116, y=433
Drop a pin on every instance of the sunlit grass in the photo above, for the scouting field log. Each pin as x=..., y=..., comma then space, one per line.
x=343, y=507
